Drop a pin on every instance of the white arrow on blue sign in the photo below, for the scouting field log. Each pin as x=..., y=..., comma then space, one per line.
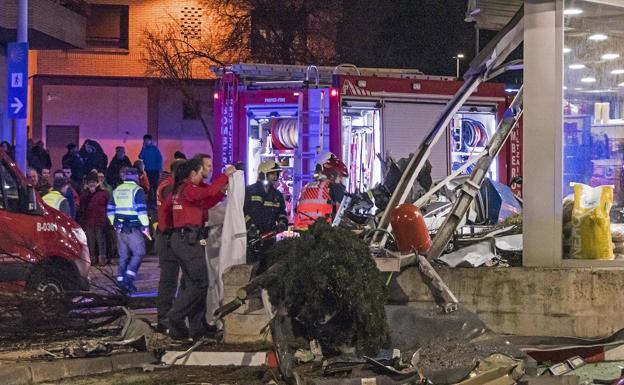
x=17, y=84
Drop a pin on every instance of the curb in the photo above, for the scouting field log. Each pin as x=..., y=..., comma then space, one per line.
x=216, y=358
x=33, y=372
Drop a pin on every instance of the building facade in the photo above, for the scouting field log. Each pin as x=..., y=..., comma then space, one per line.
x=103, y=92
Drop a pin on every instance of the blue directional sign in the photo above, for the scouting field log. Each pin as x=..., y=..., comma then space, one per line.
x=17, y=80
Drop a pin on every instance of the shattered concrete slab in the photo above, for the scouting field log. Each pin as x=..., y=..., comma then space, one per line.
x=450, y=345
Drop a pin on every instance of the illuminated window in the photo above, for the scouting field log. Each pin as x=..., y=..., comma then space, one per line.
x=593, y=122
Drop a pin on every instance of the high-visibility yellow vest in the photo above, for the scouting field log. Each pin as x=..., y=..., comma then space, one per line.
x=124, y=198
x=54, y=199
x=126, y=209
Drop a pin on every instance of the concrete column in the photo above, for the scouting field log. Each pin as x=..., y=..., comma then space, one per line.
x=542, y=139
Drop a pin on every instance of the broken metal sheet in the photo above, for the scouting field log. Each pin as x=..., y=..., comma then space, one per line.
x=474, y=255
x=497, y=369
x=136, y=329
x=509, y=242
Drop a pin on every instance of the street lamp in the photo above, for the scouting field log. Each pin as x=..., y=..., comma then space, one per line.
x=458, y=58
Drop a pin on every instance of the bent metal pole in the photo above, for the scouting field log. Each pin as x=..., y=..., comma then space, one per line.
x=471, y=187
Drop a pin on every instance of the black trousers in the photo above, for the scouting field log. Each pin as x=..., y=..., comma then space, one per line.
x=153, y=176
x=169, y=273
x=191, y=300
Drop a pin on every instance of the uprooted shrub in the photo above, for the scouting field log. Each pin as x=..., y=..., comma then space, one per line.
x=331, y=289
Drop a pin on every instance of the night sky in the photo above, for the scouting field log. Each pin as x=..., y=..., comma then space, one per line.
x=423, y=34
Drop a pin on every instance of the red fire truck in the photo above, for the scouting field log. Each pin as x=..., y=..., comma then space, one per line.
x=291, y=113
x=40, y=248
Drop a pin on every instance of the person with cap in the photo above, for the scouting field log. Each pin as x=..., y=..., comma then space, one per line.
x=169, y=265
x=127, y=212
x=55, y=197
x=322, y=198
x=265, y=208
x=92, y=218
x=188, y=242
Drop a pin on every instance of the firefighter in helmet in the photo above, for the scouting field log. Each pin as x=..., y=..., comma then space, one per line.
x=265, y=209
x=322, y=197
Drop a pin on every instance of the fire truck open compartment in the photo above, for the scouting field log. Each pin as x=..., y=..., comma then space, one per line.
x=361, y=142
x=470, y=131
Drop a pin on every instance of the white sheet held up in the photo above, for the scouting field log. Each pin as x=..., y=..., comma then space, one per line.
x=227, y=241
x=234, y=237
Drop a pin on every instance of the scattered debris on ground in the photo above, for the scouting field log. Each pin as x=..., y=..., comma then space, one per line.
x=187, y=375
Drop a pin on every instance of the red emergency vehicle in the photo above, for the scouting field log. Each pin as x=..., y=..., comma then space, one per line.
x=290, y=113
x=40, y=248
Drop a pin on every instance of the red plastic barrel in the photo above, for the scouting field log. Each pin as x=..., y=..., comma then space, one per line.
x=410, y=231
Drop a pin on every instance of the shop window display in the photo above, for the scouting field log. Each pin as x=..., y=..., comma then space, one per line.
x=593, y=130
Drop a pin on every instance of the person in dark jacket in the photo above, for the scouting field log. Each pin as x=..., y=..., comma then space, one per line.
x=8, y=149
x=43, y=155
x=152, y=158
x=120, y=160
x=92, y=218
x=73, y=161
x=94, y=156
x=32, y=158
x=265, y=210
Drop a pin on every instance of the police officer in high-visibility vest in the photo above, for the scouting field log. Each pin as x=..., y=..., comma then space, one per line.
x=322, y=197
x=265, y=209
x=127, y=212
x=55, y=199
x=188, y=235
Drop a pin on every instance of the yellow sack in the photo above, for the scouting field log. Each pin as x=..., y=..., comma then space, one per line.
x=591, y=225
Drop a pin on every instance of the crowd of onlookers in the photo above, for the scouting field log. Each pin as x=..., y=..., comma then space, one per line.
x=87, y=180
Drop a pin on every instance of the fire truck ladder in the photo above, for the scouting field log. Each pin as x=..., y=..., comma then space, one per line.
x=488, y=63
x=280, y=75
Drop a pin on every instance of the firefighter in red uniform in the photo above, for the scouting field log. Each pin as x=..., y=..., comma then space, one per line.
x=169, y=266
x=322, y=197
x=187, y=244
